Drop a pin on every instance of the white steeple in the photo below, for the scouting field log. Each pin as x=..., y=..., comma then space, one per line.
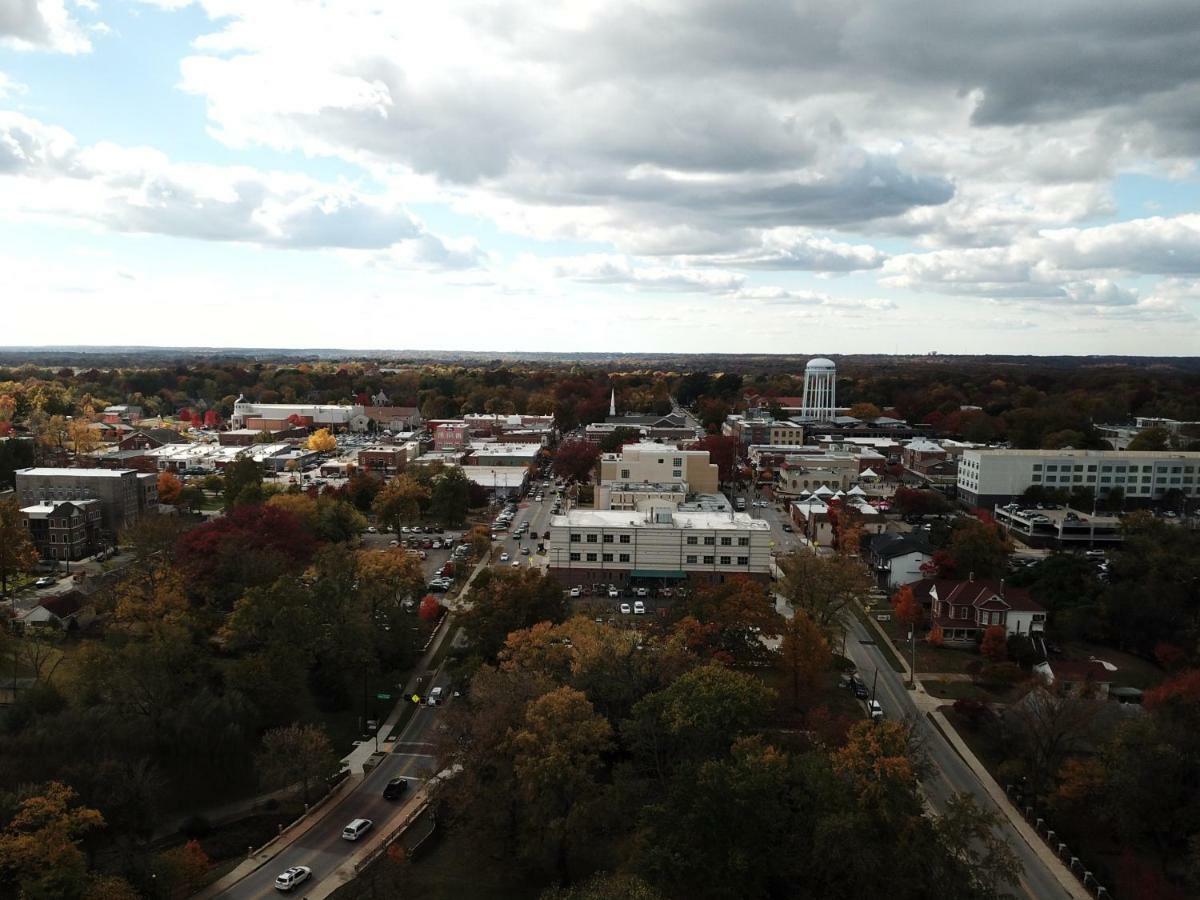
x=612, y=403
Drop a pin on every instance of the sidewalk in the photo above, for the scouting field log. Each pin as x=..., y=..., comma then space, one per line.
x=1061, y=873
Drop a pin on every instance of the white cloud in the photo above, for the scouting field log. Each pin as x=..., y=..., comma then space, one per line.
x=41, y=25
x=141, y=190
x=612, y=269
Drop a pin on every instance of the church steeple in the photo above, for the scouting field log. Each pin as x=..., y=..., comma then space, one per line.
x=612, y=403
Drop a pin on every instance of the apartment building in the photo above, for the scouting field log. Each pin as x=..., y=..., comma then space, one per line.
x=125, y=495
x=988, y=477
x=64, y=529
x=657, y=545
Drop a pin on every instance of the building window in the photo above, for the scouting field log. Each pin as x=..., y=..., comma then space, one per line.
x=592, y=538
x=677, y=473
x=677, y=461
x=691, y=539
x=608, y=539
x=591, y=557
x=575, y=538
x=726, y=560
x=708, y=560
x=624, y=539
x=623, y=557
x=710, y=541
x=624, y=473
x=691, y=559
x=726, y=542
x=574, y=557
x=607, y=557
x=743, y=560
x=743, y=542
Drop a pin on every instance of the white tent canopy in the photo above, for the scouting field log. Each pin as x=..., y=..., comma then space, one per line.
x=868, y=475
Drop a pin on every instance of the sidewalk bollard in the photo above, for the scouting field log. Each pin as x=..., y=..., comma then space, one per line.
x=1062, y=851
x=1101, y=893
x=1037, y=826
x=1088, y=880
x=280, y=827
x=1075, y=865
x=249, y=852
x=1050, y=835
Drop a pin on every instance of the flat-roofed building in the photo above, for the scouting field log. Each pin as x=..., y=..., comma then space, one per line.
x=125, y=495
x=660, y=464
x=656, y=545
x=988, y=477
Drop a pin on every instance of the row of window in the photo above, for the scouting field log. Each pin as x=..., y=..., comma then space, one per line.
x=1174, y=470
x=691, y=559
x=709, y=540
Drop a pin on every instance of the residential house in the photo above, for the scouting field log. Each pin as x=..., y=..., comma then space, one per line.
x=965, y=609
x=896, y=559
x=1087, y=676
x=66, y=611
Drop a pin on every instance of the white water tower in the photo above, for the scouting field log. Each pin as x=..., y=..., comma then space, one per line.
x=820, y=390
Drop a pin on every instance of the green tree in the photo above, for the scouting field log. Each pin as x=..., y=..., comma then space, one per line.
x=980, y=548
x=968, y=834
x=605, y=886
x=338, y=520
x=1150, y=439
x=17, y=553
x=450, y=497
x=243, y=483
x=297, y=754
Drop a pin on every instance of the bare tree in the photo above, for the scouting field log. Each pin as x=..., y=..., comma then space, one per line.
x=1049, y=724
x=822, y=586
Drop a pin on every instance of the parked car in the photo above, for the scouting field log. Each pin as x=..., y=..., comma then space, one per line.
x=395, y=789
x=44, y=581
x=786, y=527
x=859, y=688
x=575, y=592
x=516, y=564
x=639, y=608
x=625, y=609
x=642, y=592
x=287, y=880
x=435, y=697
x=503, y=557
x=356, y=829
x=613, y=593
x=874, y=710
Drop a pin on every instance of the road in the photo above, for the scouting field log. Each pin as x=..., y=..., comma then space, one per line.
x=320, y=845
x=950, y=774
x=537, y=513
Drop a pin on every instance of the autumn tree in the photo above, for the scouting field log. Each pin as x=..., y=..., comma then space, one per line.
x=864, y=410
x=294, y=754
x=907, y=608
x=804, y=656
x=969, y=834
x=430, y=608
x=399, y=501
x=39, y=848
x=723, y=452
x=183, y=869
x=507, y=600
x=741, y=611
x=479, y=539
x=322, y=441
x=169, y=488
x=17, y=553
x=557, y=753
x=822, y=586
x=882, y=763
x=994, y=646
x=576, y=459
x=1049, y=725
x=300, y=506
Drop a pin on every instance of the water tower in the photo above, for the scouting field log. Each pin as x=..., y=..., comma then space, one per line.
x=820, y=390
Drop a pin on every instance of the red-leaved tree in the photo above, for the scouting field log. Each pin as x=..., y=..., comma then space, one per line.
x=430, y=608
x=722, y=451
x=907, y=607
x=995, y=644
x=576, y=459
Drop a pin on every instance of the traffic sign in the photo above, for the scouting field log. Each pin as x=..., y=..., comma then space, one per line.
x=383, y=696
x=415, y=698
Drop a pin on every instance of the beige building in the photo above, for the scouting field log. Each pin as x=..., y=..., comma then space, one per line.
x=626, y=495
x=786, y=434
x=660, y=464
x=657, y=545
x=807, y=473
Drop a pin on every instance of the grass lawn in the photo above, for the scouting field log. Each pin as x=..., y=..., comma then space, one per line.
x=929, y=658
x=959, y=690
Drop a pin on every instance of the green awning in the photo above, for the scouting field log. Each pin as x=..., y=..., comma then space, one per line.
x=657, y=573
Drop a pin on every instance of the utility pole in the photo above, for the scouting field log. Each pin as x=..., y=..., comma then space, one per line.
x=912, y=671
x=874, y=682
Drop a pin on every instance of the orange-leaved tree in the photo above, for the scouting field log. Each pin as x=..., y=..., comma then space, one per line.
x=907, y=607
x=995, y=644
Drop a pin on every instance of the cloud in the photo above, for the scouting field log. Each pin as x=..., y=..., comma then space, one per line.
x=796, y=249
x=41, y=25
x=611, y=269
x=1158, y=245
x=142, y=191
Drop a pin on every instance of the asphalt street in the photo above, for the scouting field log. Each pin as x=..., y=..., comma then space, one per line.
x=320, y=846
x=950, y=774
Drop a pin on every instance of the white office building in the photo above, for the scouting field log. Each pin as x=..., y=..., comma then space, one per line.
x=658, y=544
x=988, y=477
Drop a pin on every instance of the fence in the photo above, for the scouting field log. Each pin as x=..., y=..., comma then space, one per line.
x=1041, y=826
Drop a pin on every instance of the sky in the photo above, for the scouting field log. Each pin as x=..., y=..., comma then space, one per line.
x=866, y=176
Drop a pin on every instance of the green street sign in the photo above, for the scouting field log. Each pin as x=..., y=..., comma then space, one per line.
x=383, y=696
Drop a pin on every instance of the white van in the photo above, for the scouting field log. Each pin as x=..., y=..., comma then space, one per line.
x=356, y=829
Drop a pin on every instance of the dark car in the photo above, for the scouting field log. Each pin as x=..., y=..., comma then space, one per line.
x=396, y=788
x=860, y=689
x=786, y=527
